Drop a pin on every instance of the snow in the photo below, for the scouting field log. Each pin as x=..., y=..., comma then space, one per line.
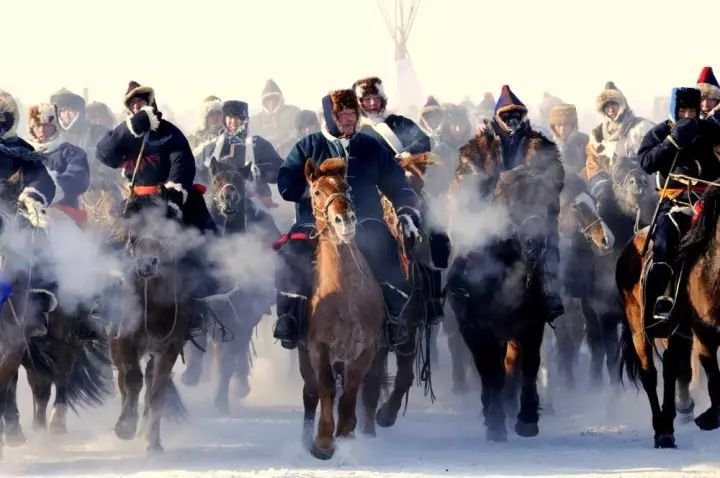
x=587, y=434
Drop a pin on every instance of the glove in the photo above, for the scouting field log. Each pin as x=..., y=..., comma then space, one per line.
x=34, y=211
x=174, y=200
x=684, y=133
x=409, y=222
x=143, y=122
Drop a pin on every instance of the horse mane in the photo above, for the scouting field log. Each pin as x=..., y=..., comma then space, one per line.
x=332, y=167
x=702, y=232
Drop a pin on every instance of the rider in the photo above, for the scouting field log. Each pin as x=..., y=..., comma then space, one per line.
x=709, y=94
x=167, y=168
x=371, y=171
x=681, y=145
x=403, y=138
x=563, y=121
x=36, y=193
x=66, y=163
x=232, y=147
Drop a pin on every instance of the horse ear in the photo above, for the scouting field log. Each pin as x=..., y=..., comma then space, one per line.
x=310, y=170
x=16, y=178
x=246, y=170
x=213, y=166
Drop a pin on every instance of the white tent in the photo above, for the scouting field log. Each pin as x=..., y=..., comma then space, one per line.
x=399, y=16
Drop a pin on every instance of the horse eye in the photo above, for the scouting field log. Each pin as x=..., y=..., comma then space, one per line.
x=338, y=220
x=317, y=193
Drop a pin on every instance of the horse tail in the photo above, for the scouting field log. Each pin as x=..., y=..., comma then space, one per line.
x=628, y=360
x=627, y=272
x=91, y=377
x=174, y=407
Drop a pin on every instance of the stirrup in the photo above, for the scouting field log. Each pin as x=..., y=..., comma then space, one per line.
x=665, y=305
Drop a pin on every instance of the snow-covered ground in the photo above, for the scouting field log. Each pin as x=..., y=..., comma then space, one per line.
x=598, y=434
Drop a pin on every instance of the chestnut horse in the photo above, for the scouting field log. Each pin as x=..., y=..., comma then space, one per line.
x=345, y=317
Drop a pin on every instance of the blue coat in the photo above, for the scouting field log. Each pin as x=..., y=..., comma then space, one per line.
x=413, y=140
x=370, y=168
x=68, y=165
x=17, y=155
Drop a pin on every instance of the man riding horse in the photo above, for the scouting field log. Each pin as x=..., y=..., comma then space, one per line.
x=370, y=168
x=682, y=145
x=166, y=169
x=36, y=193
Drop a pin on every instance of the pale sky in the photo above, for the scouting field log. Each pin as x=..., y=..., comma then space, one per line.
x=189, y=49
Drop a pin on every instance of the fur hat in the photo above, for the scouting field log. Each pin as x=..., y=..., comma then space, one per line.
x=235, y=108
x=135, y=90
x=431, y=105
x=210, y=104
x=707, y=84
x=370, y=86
x=684, y=98
x=43, y=113
x=64, y=98
x=305, y=119
x=9, y=115
x=508, y=102
x=271, y=89
x=548, y=103
x=334, y=103
x=611, y=94
x=563, y=114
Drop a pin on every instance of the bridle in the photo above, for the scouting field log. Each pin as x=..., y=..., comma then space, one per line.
x=323, y=212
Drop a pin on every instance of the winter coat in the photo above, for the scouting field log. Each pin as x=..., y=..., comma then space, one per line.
x=573, y=153
x=166, y=158
x=698, y=160
x=83, y=135
x=68, y=167
x=411, y=138
x=16, y=155
x=371, y=171
x=275, y=126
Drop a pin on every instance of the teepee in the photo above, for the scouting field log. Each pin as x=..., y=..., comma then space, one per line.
x=399, y=16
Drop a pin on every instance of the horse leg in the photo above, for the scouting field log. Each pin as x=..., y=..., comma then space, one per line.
x=677, y=352
x=9, y=364
x=160, y=385
x=528, y=417
x=684, y=403
x=405, y=359
x=194, y=356
x=458, y=352
x=489, y=355
x=13, y=431
x=149, y=372
x=58, y=417
x=310, y=396
x=41, y=387
x=707, y=350
x=354, y=374
x=372, y=386
x=509, y=392
x=648, y=377
x=130, y=379
x=227, y=359
x=242, y=372
x=593, y=336
x=565, y=348
x=323, y=448
x=611, y=342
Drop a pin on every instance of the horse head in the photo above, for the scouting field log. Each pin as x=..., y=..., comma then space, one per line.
x=579, y=215
x=482, y=158
x=228, y=187
x=631, y=185
x=330, y=198
x=526, y=199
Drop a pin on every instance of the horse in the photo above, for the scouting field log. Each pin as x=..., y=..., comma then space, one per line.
x=155, y=319
x=345, y=317
x=415, y=263
x=239, y=310
x=59, y=357
x=583, y=235
x=498, y=303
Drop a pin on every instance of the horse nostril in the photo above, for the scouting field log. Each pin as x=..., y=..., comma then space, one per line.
x=338, y=220
x=604, y=242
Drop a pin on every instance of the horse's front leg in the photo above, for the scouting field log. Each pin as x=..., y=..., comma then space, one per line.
x=9, y=365
x=405, y=359
x=324, y=447
x=354, y=374
x=310, y=396
x=528, y=417
x=194, y=356
x=489, y=355
x=126, y=358
x=372, y=386
x=161, y=387
x=61, y=379
x=227, y=359
x=13, y=431
x=707, y=350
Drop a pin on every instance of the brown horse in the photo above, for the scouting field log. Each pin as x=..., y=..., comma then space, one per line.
x=636, y=347
x=345, y=317
x=157, y=326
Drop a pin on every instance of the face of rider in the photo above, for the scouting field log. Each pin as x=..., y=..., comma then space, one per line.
x=687, y=113
x=372, y=104
x=235, y=124
x=346, y=121
x=67, y=116
x=43, y=132
x=512, y=119
x=611, y=110
x=707, y=104
x=134, y=105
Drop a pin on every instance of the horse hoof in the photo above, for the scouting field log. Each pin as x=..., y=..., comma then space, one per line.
x=459, y=388
x=527, y=430
x=708, y=420
x=14, y=435
x=665, y=440
x=496, y=434
x=58, y=429
x=242, y=389
x=191, y=376
x=385, y=418
x=39, y=426
x=222, y=407
x=125, y=430
x=321, y=453
x=155, y=449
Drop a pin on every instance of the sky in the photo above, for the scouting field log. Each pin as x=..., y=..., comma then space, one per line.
x=229, y=48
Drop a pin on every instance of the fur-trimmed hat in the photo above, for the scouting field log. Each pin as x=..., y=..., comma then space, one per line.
x=136, y=90
x=684, y=98
x=9, y=115
x=563, y=114
x=611, y=94
x=370, y=86
x=212, y=103
x=707, y=84
x=235, y=108
x=334, y=103
x=431, y=106
x=43, y=113
x=306, y=119
x=508, y=102
x=271, y=89
x=548, y=103
x=64, y=98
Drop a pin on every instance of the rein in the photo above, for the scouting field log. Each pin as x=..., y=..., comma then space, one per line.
x=324, y=211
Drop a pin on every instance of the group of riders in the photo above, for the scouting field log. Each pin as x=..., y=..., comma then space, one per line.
x=71, y=149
